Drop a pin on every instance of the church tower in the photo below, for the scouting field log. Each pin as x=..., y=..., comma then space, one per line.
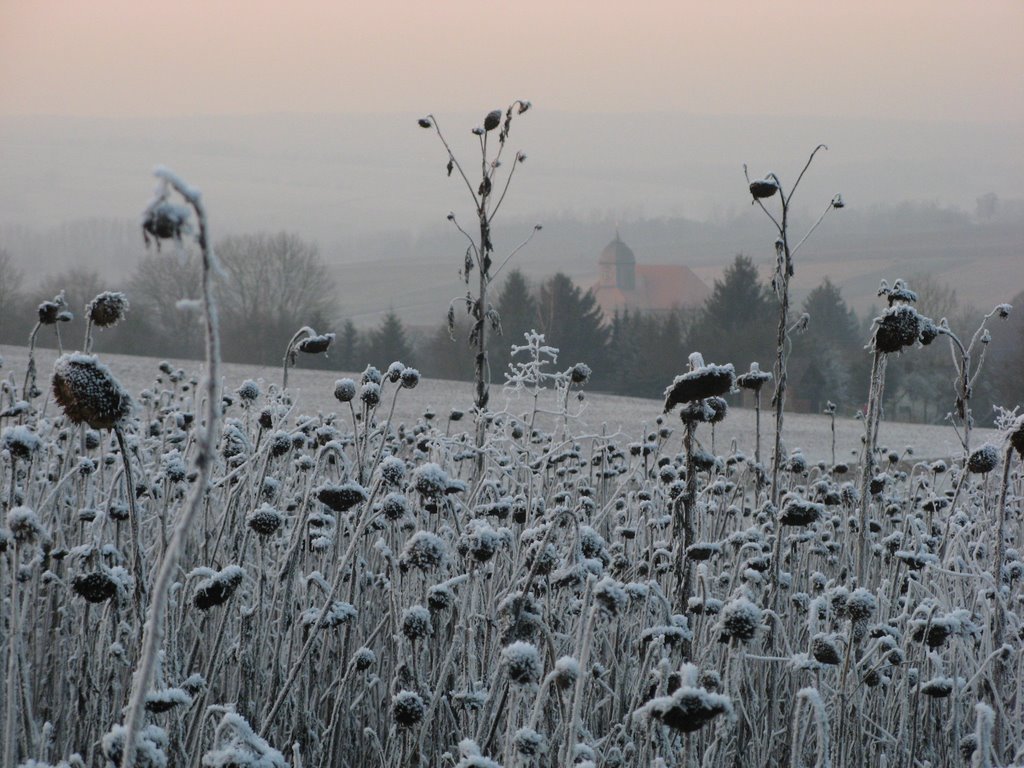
x=617, y=266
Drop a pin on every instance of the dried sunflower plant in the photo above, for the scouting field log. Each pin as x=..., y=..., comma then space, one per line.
x=762, y=190
x=487, y=196
x=339, y=588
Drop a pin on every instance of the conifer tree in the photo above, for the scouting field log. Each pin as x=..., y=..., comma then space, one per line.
x=517, y=309
x=389, y=342
x=735, y=323
x=572, y=321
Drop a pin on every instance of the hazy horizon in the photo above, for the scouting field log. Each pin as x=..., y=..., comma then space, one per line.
x=303, y=118
x=332, y=176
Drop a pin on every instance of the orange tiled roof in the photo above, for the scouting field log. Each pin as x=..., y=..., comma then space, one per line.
x=670, y=285
x=659, y=287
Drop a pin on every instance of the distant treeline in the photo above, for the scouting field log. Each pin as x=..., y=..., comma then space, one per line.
x=274, y=284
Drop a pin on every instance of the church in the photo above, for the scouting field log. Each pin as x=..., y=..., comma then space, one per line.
x=646, y=288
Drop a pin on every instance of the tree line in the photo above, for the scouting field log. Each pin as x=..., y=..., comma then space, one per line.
x=274, y=284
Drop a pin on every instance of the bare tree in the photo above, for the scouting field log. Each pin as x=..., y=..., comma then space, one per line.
x=159, y=284
x=11, y=282
x=275, y=283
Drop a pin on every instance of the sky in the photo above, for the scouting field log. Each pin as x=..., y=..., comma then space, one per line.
x=913, y=59
x=301, y=115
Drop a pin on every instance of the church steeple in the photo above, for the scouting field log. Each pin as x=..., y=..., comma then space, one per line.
x=617, y=265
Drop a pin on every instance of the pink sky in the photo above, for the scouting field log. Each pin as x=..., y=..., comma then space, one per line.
x=918, y=59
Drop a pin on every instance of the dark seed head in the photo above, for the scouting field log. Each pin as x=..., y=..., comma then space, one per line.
x=983, y=460
x=88, y=393
x=218, y=588
x=408, y=708
x=761, y=189
x=107, y=309
x=94, y=587
x=314, y=345
x=493, y=120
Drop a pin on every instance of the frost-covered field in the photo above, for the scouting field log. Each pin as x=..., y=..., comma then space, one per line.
x=631, y=417
x=580, y=591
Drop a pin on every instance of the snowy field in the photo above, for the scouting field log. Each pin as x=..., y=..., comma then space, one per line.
x=599, y=413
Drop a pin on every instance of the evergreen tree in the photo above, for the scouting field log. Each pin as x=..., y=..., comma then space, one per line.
x=623, y=354
x=389, y=342
x=444, y=357
x=737, y=323
x=827, y=356
x=346, y=355
x=517, y=309
x=645, y=352
x=669, y=352
x=1007, y=373
x=572, y=321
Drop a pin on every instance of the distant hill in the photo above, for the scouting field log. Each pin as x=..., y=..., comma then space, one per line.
x=371, y=189
x=984, y=261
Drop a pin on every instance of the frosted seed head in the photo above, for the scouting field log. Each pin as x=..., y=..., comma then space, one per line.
x=394, y=371
x=430, y=480
x=407, y=708
x=150, y=744
x=164, y=220
x=95, y=587
x=341, y=498
x=249, y=391
x=416, y=623
x=371, y=376
x=265, y=521
x=88, y=393
x=25, y=526
x=394, y=506
x=440, y=598
x=425, y=551
x=107, y=309
x=20, y=441
x=315, y=345
x=369, y=394
x=1017, y=435
x=701, y=382
x=899, y=327
x=344, y=390
x=410, y=377
x=363, y=659
x=55, y=311
x=334, y=616
x=983, y=460
x=740, y=619
x=825, y=649
x=580, y=373
x=392, y=469
x=523, y=662
x=754, y=379
x=167, y=699
x=718, y=408
x=688, y=709
x=529, y=743
x=218, y=588
x=567, y=669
